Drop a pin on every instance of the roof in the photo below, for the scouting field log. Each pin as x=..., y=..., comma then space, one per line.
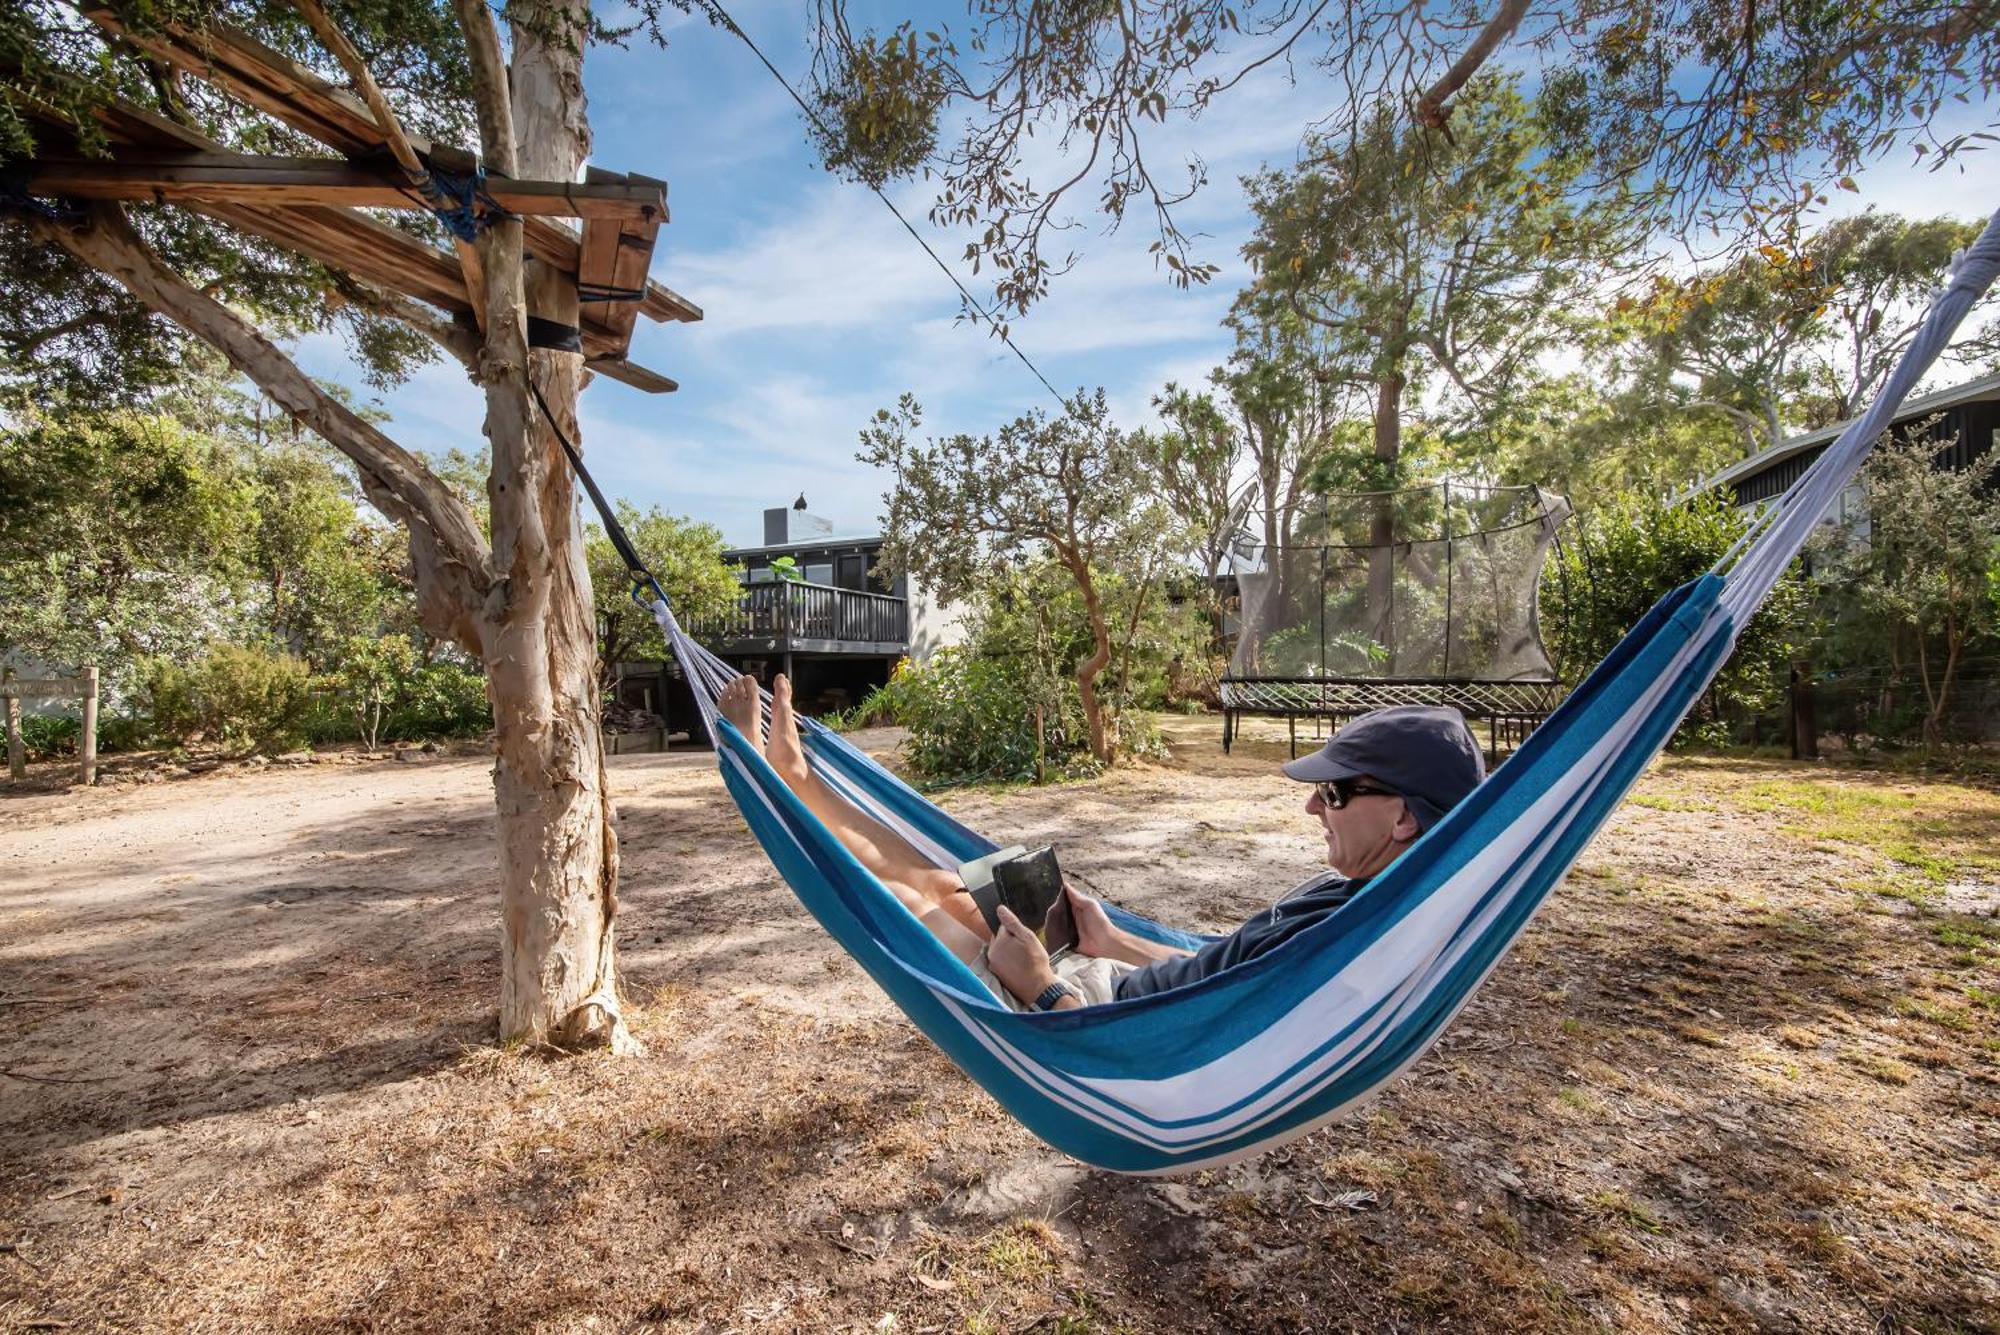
x=810, y=545
x=1973, y=391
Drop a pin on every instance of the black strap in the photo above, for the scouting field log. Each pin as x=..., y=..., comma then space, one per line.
x=554, y=336
x=616, y=531
x=606, y=292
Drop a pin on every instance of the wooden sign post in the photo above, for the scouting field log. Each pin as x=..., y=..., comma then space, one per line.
x=16, y=689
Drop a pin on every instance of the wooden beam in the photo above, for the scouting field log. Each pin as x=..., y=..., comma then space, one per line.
x=638, y=377
x=663, y=303
x=371, y=251
x=242, y=178
x=254, y=73
x=545, y=238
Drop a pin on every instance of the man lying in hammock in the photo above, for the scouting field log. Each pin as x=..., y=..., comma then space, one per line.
x=1380, y=782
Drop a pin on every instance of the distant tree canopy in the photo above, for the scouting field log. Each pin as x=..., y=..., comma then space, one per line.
x=1799, y=336
x=1417, y=259
x=685, y=555
x=1708, y=115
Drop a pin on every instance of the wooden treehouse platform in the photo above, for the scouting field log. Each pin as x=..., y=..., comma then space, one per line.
x=602, y=230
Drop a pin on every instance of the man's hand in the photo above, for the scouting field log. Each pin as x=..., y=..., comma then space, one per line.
x=1018, y=959
x=1094, y=933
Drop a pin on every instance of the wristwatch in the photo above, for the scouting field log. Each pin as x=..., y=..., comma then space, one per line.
x=1053, y=993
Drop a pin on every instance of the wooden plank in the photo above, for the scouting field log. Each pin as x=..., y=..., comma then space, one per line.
x=258, y=75
x=597, y=253
x=638, y=377
x=663, y=303
x=364, y=247
x=242, y=178
x=48, y=688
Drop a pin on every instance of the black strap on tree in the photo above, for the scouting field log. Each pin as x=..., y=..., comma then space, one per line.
x=642, y=578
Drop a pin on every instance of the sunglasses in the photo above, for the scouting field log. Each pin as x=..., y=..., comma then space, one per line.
x=1337, y=793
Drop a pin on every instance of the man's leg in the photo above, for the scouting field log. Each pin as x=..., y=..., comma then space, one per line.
x=925, y=889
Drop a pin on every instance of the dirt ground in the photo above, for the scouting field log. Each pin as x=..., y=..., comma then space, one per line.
x=1743, y=1073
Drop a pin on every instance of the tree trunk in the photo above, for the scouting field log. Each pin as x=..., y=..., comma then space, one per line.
x=558, y=844
x=1088, y=670
x=1382, y=528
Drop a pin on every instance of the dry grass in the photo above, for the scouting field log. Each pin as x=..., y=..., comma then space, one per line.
x=1741, y=1074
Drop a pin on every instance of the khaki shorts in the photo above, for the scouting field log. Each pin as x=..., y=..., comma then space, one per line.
x=1094, y=978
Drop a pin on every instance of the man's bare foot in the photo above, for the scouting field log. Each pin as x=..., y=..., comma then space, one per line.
x=783, y=750
x=740, y=704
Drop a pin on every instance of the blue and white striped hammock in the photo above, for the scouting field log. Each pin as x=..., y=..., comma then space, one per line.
x=1275, y=1047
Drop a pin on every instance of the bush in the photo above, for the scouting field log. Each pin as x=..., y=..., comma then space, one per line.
x=972, y=720
x=251, y=698
x=50, y=736
x=1613, y=567
x=439, y=700
x=381, y=692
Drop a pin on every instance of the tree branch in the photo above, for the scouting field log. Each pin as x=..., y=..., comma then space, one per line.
x=460, y=341
x=445, y=543
x=1431, y=111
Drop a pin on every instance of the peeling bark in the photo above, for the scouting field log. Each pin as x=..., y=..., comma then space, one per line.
x=558, y=840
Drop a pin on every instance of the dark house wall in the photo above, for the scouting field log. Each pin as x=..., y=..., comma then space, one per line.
x=1965, y=431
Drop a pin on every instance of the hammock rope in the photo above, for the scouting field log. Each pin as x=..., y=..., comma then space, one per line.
x=1275, y=1047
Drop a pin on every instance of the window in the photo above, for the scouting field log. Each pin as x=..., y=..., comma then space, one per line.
x=819, y=573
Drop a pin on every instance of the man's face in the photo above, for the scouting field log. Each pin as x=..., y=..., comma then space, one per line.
x=1367, y=834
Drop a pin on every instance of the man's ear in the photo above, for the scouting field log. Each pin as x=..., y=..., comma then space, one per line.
x=1407, y=829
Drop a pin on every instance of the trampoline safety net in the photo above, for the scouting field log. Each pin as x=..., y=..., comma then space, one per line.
x=1430, y=586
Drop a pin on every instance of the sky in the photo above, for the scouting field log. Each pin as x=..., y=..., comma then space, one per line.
x=819, y=308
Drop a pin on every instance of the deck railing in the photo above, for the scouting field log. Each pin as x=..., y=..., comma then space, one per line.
x=790, y=611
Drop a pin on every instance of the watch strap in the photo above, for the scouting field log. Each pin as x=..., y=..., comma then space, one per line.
x=1053, y=993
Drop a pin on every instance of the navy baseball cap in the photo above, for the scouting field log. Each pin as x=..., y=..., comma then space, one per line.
x=1424, y=752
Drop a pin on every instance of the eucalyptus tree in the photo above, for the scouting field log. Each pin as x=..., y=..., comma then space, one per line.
x=1425, y=263
x=1192, y=461
x=1881, y=271
x=1068, y=488
x=1718, y=116
x=112, y=300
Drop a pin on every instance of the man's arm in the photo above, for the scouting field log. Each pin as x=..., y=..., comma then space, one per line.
x=1097, y=935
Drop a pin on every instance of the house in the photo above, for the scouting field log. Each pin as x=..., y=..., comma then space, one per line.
x=819, y=608
x=1967, y=415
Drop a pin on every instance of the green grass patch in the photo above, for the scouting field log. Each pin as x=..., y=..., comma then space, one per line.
x=1933, y=832
x=1946, y=1017
x=1621, y=1206
x=1669, y=802
x=1580, y=1100
x=1020, y=1253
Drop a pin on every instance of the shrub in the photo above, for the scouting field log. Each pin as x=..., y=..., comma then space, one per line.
x=240, y=696
x=972, y=720
x=884, y=705
x=50, y=736
x=439, y=700
x=381, y=692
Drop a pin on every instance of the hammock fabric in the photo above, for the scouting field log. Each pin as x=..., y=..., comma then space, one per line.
x=1258, y=1054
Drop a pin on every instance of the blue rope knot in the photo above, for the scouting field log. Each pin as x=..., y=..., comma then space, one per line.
x=14, y=196
x=460, y=202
